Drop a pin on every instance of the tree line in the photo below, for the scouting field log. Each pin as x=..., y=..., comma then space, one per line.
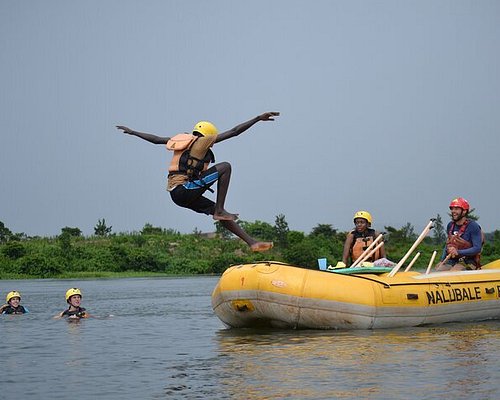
x=166, y=251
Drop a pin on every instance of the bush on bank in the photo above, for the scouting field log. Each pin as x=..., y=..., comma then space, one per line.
x=160, y=251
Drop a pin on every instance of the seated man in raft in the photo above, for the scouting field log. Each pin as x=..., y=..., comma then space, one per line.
x=360, y=238
x=462, y=250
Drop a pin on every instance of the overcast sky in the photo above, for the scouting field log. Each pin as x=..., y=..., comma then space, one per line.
x=386, y=106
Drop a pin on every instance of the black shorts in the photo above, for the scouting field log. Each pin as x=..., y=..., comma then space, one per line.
x=190, y=194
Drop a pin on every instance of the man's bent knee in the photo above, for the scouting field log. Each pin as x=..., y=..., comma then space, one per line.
x=223, y=167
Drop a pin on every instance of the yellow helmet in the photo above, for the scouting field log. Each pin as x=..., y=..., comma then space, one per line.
x=205, y=128
x=363, y=214
x=72, y=292
x=12, y=294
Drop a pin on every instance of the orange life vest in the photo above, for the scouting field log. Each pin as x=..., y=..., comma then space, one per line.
x=455, y=240
x=182, y=161
x=361, y=241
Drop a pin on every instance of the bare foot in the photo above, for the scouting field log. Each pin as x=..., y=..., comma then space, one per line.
x=225, y=216
x=261, y=246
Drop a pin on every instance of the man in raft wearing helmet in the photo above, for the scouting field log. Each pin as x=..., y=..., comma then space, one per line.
x=189, y=176
x=465, y=239
x=360, y=238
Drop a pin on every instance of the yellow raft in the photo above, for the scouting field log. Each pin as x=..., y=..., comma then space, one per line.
x=273, y=294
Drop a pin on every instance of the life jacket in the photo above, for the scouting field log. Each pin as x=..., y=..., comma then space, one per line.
x=361, y=242
x=456, y=240
x=79, y=312
x=183, y=162
x=11, y=310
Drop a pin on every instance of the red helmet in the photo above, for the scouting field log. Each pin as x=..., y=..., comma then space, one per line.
x=460, y=202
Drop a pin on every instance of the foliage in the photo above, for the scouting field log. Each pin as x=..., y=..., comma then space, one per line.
x=65, y=243
x=14, y=250
x=74, y=232
x=439, y=232
x=165, y=251
x=325, y=230
x=5, y=233
x=302, y=254
x=221, y=231
x=40, y=266
x=281, y=230
x=259, y=230
x=151, y=230
x=403, y=235
x=472, y=215
x=101, y=229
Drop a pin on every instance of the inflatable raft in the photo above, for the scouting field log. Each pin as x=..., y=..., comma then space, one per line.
x=273, y=294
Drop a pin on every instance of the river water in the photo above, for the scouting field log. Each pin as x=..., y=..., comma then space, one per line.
x=159, y=339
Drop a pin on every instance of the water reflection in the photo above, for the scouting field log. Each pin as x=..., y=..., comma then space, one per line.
x=454, y=360
x=164, y=342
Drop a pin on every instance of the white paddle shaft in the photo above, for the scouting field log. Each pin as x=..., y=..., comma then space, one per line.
x=417, y=242
x=412, y=262
x=431, y=262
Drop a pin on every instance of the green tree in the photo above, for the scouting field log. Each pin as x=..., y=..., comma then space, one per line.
x=491, y=248
x=439, y=231
x=73, y=232
x=403, y=235
x=295, y=237
x=259, y=229
x=101, y=229
x=281, y=231
x=408, y=232
x=151, y=230
x=40, y=266
x=472, y=215
x=325, y=230
x=14, y=250
x=303, y=253
x=65, y=244
x=5, y=233
x=222, y=232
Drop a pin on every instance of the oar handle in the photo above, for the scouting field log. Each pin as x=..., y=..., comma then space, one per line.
x=431, y=262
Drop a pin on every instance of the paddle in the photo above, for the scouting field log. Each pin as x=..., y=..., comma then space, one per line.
x=412, y=262
x=444, y=261
x=431, y=262
x=413, y=247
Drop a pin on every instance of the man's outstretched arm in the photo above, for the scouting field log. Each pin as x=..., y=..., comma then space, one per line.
x=268, y=116
x=146, y=136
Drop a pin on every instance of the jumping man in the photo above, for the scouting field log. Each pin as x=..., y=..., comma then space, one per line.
x=190, y=177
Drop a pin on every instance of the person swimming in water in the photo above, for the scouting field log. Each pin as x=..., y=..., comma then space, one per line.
x=74, y=311
x=13, y=299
